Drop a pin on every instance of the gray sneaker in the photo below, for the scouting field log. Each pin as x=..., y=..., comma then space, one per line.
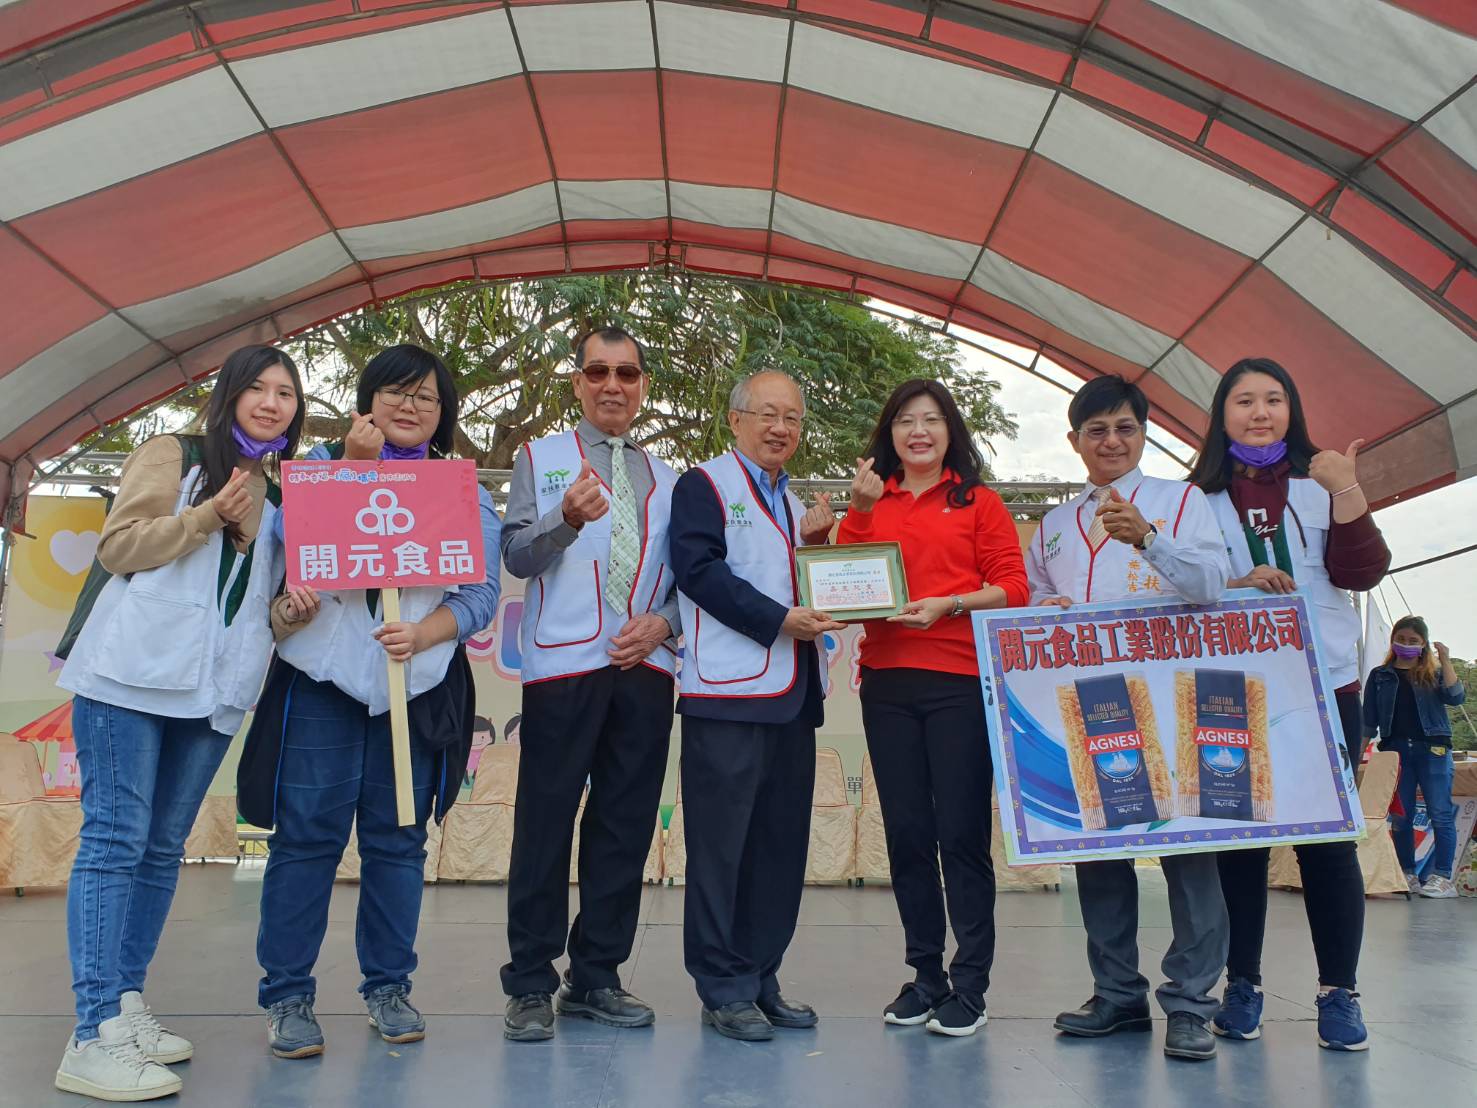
x=159, y=1044
x=292, y=1029
x=111, y=1067
x=393, y=1016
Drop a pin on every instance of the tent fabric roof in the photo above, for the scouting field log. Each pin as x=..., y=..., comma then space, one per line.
x=1153, y=188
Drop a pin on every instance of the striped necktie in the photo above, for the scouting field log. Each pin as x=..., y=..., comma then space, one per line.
x=1097, y=534
x=625, y=532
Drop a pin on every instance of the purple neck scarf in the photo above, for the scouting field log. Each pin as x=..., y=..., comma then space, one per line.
x=1259, y=457
x=255, y=449
x=392, y=453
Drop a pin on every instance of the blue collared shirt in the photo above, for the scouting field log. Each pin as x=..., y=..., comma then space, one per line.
x=773, y=492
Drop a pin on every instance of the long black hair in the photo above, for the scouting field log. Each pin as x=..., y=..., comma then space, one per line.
x=408, y=364
x=1212, y=470
x=962, y=456
x=217, y=445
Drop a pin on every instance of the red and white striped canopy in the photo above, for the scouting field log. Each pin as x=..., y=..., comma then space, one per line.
x=1152, y=188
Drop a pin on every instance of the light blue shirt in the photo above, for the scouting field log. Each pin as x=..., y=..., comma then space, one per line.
x=472, y=605
x=773, y=492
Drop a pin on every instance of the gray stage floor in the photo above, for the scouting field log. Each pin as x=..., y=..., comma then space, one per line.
x=1419, y=985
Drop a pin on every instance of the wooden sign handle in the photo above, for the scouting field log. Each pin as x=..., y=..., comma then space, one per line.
x=399, y=721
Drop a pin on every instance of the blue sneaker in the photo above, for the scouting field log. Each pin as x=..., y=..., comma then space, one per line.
x=1240, y=1015
x=1340, y=1022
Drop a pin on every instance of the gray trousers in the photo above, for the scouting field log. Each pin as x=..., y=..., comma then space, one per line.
x=1110, y=910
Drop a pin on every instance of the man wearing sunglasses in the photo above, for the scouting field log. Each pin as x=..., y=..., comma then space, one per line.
x=586, y=527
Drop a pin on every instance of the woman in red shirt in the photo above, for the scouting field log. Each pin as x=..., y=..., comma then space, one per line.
x=919, y=485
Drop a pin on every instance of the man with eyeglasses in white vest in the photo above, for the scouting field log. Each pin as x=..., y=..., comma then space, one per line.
x=1123, y=537
x=752, y=684
x=586, y=527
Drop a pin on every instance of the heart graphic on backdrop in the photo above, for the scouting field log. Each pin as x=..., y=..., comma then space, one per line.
x=73, y=550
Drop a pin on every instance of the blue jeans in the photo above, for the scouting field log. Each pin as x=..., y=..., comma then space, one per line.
x=1432, y=772
x=143, y=777
x=336, y=765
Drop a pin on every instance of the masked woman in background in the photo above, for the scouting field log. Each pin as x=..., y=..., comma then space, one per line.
x=1405, y=704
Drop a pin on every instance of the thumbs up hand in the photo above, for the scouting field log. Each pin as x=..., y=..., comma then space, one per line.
x=1335, y=471
x=1122, y=519
x=583, y=501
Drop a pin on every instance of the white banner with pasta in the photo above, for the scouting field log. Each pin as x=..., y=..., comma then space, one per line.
x=1159, y=727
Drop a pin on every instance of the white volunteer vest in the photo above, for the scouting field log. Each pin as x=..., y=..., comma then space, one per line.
x=567, y=622
x=1113, y=570
x=338, y=646
x=722, y=662
x=157, y=641
x=1305, y=525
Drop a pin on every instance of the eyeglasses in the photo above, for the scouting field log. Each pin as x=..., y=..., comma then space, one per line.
x=597, y=372
x=424, y=401
x=774, y=419
x=1097, y=432
x=910, y=423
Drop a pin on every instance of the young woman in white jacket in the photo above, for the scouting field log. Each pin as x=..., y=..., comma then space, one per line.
x=163, y=671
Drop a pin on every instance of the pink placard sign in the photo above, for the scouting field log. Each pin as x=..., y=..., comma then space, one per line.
x=374, y=525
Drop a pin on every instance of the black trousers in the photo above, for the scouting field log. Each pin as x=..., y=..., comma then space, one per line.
x=931, y=759
x=612, y=727
x=747, y=789
x=1333, y=892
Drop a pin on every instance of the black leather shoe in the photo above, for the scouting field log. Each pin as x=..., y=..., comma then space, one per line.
x=740, y=1020
x=529, y=1018
x=612, y=1007
x=784, y=1013
x=1189, y=1037
x=1101, y=1017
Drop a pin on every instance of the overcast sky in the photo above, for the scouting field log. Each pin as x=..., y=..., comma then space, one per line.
x=1445, y=593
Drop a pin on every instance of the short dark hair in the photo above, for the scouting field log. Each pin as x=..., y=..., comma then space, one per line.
x=1107, y=394
x=608, y=333
x=1212, y=472
x=512, y=724
x=408, y=364
x=482, y=723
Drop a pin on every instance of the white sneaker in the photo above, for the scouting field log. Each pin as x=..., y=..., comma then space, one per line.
x=1439, y=888
x=111, y=1067
x=159, y=1044
x=1413, y=883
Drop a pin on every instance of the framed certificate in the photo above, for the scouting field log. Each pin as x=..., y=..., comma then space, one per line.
x=854, y=581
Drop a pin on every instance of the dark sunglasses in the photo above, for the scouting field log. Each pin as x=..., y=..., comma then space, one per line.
x=597, y=372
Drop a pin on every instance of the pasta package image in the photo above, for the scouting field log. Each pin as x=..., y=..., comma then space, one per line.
x=1222, y=762
x=1118, y=767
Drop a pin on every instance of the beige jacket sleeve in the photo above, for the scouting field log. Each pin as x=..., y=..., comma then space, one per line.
x=142, y=531
x=281, y=626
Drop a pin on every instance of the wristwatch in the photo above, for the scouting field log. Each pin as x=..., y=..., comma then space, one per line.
x=958, y=606
x=1148, y=539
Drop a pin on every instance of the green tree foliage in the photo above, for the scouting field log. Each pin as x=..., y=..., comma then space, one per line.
x=508, y=346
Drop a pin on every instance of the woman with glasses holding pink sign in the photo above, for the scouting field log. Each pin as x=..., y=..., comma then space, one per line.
x=317, y=760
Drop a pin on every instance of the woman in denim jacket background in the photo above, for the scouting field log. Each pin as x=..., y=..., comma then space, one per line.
x=1405, y=702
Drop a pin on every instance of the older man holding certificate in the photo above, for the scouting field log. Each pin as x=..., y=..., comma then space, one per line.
x=750, y=701
x=919, y=486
